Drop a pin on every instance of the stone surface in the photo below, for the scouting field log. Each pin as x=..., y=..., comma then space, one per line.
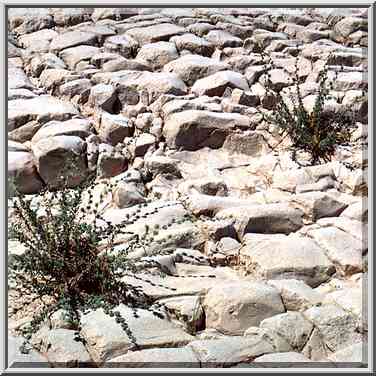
x=106, y=339
x=216, y=84
x=52, y=155
x=232, y=308
x=196, y=129
x=193, y=67
x=302, y=258
x=42, y=109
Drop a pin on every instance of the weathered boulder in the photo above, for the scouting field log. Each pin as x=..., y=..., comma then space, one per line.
x=264, y=219
x=233, y=307
x=193, y=67
x=72, y=39
x=302, y=258
x=216, y=84
x=193, y=129
x=155, y=33
x=106, y=339
x=42, y=109
x=158, y=54
x=194, y=44
x=22, y=173
x=60, y=158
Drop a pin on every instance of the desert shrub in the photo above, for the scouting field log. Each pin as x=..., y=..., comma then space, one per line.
x=70, y=261
x=317, y=132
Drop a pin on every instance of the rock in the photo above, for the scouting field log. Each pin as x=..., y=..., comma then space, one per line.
x=159, y=164
x=42, y=109
x=110, y=161
x=296, y=295
x=128, y=194
x=72, y=39
x=155, y=84
x=186, y=309
x=303, y=259
x=349, y=25
x=106, y=339
x=51, y=78
x=216, y=84
x=292, y=359
x=208, y=186
x=229, y=350
x=357, y=211
x=54, y=154
x=45, y=61
x=245, y=98
x=316, y=205
x=77, y=87
x=122, y=63
x=279, y=79
x=264, y=219
x=74, y=127
x=251, y=143
x=155, y=358
x=342, y=249
x=193, y=44
x=193, y=67
x=113, y=13
x=61, y=349
x=292, y=326
x=18, y=79
x=355, y=353
x=223, y=39
x=123, y=44
x=200, y=28
x=114, y=128
x=22, y=173
x=103, y=97
x=233, y=307
x=350, y=81
x=72, y=56
x=155, y=33
x=316, y=349
x=193, y=129
x=144, y=142
x=18, y=360
x=337, y=327
x=349, y=298
x=158, y=54
x=291, y=178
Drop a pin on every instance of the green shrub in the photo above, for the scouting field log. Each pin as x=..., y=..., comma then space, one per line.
x=69, y=262
x=318, y=132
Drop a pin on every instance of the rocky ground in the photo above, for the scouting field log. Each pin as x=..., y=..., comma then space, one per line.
x=166, y=103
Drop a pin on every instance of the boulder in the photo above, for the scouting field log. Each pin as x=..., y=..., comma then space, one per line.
x=337, y=327
x=191, y=68
x=194, y=129
x=216, y=84
x=155, y=33
x=42, y=109
x=292, y=326
x=156, y=55
x=122, y=44
x=233, y=307
x=223, y=39
x=183, y=357
x=22, y=173
x=74, y=127
x=264, y=219
x=106, y=339
x=302, y=258
x=72, y=39
x=60, y=158
x=193, y=44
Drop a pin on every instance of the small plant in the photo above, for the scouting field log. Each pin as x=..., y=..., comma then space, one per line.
x=70, y=261
x=317, y=132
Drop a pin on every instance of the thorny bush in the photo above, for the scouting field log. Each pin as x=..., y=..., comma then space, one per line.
x=317, y=132
x=70, y=261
